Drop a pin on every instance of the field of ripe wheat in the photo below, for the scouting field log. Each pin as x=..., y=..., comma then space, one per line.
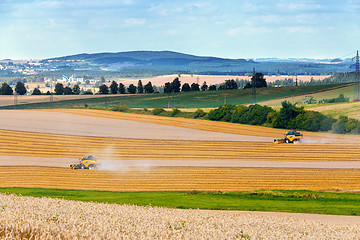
x=181, y=178
x=46, y=218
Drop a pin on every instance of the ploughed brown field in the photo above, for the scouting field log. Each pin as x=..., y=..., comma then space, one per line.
x=61, y=148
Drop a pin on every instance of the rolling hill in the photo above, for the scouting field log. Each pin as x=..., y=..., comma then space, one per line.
x=170, y=61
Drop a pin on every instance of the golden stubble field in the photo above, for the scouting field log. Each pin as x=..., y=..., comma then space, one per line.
x=213, y=126
x=182, y=179
x=17, y=143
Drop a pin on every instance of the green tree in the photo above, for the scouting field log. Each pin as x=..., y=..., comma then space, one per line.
x=121, y=88
x=132, y=89
x=20, y=88
x=231, y=84
x=168, y=88
x=222, y=113
x=157, y=111
x=212, y=88
x=76, y=89
x=185, y=87
x=59, y=89
x=175, y=85
x=340, y=125
x=103, y=89
x=140, y=87
x=6, y=89
x=288, y=113
x=259, y=79
x=254, y=114
x=114, y=87
x=199, y=113
x=313, y=121
x=204, y=86
x=149, y=88
x=195, y=87
x=36, y=92
x=68, y=90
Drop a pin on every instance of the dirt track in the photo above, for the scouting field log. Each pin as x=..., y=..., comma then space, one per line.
x=117, y=165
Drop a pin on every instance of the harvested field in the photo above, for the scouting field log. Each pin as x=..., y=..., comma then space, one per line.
x=45, y=218
x=214, y=126
x=212, y=79
x=25, y=99
x=15, y=143
x=39, y=146
x=182, y=179
x=73, y=124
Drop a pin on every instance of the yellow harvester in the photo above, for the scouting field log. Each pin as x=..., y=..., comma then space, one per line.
x=87, y=162
x=290, y=137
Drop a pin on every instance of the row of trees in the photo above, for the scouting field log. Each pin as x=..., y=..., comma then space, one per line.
x=61, y=90
x=121, y=89
x=289, y=117
x=20, y=89
x=175, y=86
x=114, y=88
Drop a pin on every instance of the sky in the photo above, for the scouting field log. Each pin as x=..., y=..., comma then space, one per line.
x=37, y=29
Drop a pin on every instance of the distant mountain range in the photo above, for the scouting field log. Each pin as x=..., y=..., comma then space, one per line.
x=180, y=62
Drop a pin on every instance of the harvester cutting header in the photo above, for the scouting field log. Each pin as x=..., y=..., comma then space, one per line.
x=290, y=137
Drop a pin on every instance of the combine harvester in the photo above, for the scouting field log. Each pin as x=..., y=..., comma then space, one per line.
x=290, y=137
x=87, y=162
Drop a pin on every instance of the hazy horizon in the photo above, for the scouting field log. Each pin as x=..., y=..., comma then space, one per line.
x=38, y=29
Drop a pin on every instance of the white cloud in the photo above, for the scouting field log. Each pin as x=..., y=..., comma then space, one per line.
x=299, y=6
x=247, y=30
x=171, y=32
x=271, y=18
x=298, y=29
x=305, y=18
x=130, y=22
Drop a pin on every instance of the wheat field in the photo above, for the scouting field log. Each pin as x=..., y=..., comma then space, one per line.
x=46, y=218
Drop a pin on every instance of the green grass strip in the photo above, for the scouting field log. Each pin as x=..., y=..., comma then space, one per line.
x=202, y=99
x=296, y=201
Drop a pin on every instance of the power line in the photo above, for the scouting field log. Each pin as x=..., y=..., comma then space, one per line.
x=357, y=77
x=253, y=81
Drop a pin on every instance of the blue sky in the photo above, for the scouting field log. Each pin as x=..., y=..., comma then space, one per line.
x=34, y=29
